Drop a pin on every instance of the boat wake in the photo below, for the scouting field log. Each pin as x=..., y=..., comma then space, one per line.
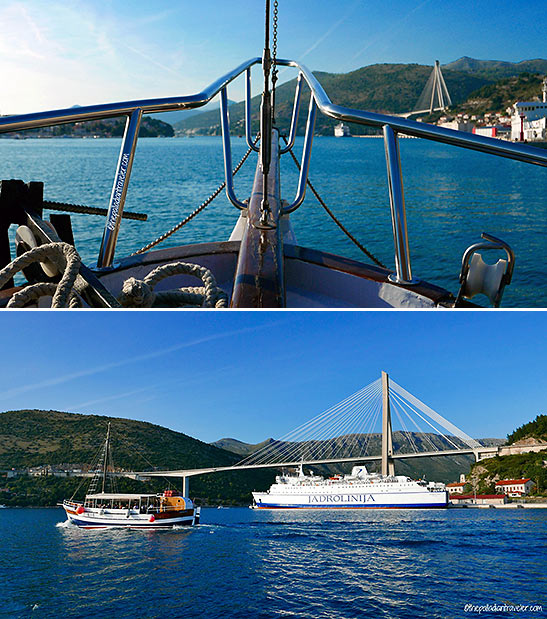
x=66, y=524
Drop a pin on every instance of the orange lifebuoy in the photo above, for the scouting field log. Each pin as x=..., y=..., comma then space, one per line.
x=80, y=510
x=152, y=518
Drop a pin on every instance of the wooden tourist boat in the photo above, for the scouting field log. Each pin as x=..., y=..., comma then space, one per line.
x=102, y=509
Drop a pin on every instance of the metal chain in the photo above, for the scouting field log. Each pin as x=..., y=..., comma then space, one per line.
x=88, y=210
x=334, y=218
x=274, y=55
x=198, y=210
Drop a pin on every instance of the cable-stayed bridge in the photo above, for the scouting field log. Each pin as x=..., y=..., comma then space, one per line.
x=435, y=96
x=380, y=422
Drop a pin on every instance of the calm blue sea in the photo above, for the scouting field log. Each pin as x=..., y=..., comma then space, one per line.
x=241, y=563
x=452, y=196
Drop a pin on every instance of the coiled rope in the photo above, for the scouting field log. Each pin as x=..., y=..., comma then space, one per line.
x=65, y=257
x=135, y=293
x=140, y=293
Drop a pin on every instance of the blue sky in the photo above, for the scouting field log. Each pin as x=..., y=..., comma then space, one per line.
x=59, y=53
x=252, y=375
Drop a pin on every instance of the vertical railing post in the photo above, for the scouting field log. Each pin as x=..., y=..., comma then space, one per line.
x=248, y=132
x=294, y=118
x=119, y=190
x=227, y=149
x=403, y=272
x=306, y=158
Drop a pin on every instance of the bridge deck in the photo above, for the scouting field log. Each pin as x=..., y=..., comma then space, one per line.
x=219, y=469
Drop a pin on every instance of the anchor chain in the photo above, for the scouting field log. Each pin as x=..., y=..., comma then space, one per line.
x=274, y=56
x=333, y=216
x=198, y=210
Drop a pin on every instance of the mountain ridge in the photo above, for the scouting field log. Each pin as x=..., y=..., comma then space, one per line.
x=387, y=88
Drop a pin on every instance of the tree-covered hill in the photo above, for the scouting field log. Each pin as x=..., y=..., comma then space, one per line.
x=485, y=473
x=391, y=88
x=533, y=429
x=106, y=128
x=497, y=69
x=500, y=95
x=33, y=438
x=529, y=465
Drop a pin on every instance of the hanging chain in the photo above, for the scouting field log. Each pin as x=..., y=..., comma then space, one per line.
x=333, y=216
x=198, y=210
x=274, y=55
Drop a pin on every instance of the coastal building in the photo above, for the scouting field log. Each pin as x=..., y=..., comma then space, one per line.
x=515, y=487
x=478, y=499
x=502, y=132
x=455, y=488
x=458, y=125
x=525, y=445
x=529, y=119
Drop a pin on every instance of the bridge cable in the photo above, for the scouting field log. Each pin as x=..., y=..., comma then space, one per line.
x=315, y=425
x=471, y=442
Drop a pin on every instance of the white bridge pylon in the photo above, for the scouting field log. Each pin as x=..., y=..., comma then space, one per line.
x=381, y=421
x=352, y=429
x=435, y=96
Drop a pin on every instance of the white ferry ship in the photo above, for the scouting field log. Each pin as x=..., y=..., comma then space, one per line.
x=342, y=131
x=360, y=489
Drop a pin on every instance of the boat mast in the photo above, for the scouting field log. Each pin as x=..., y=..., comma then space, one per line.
x=106, y=450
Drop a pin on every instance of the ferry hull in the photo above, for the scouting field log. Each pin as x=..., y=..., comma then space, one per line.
x=425, y=500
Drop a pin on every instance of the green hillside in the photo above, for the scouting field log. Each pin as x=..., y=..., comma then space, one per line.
x=518, y=466
x=484, y=474
x=33, y=438
x=392, y=88
x=496, y=69
x=534, y=429
x=500, y=95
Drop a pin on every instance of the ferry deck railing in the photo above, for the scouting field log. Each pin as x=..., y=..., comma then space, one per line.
x=390, y=125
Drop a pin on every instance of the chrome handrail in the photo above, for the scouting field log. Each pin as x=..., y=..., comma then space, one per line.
x=111, y=110
x=134, y=111
x=493, y=146
x=391, y=125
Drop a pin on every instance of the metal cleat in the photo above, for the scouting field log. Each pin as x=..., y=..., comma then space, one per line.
x=479, y=277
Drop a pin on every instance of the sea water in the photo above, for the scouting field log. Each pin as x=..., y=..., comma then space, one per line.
x=452, y=196
x=241, y=563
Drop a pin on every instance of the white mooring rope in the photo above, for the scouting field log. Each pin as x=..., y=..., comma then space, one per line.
x=135, y=293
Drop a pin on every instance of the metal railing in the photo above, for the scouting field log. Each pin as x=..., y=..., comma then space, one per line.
x=390, y=125
x=133, y=110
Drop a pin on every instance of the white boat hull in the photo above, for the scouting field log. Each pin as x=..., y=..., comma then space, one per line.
x=92, y=518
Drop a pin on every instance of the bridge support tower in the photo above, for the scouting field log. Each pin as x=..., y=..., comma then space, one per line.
x=388, y=465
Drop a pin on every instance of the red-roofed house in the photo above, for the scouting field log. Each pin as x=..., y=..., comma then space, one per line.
x=455, y=488
x=515, y=487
